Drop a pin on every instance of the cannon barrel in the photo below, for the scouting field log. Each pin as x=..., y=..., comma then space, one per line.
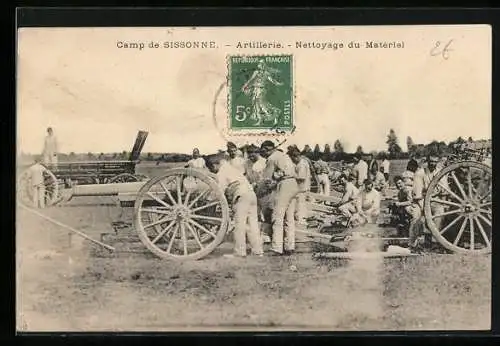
x=106, y=189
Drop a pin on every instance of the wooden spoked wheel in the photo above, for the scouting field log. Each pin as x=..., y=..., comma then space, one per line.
x=51, y=189
x=458, y=207
x=181, y=215
x=123, y=178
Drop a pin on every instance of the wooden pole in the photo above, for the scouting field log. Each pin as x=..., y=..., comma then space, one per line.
x=60, y=224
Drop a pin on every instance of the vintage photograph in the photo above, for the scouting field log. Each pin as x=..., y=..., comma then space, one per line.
x=333, y=178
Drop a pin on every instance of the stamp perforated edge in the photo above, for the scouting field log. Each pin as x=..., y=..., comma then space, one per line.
x=258, y=132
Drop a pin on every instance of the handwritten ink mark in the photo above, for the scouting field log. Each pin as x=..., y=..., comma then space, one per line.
x=443, y=50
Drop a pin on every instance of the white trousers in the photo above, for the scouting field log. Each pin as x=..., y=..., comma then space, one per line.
x=283, y=218
x=323, y=184
x=246, y=225
x=39, y=196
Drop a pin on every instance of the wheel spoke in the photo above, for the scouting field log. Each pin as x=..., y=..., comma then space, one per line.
x=193, y=232
x=198, y=197
x=178, y=182
x=167, y=192
x=205, y=206
x=457, y=183
x=451, y=212
x=488, y=222
x=183, y=236
x=486, y=211
x=482, y=197
x=442, y=201
x=158, y=222
x=469, y=183
x=448, y=226
x=483, y=233
x=487, y=204
x=157, y=211
x=188, y=195
x=471, y=226
x=451, y=193
x=163, y=231
x=159, y=200
x=459, y=235
x=204, y=217
x=173, y=238
x=203, y=228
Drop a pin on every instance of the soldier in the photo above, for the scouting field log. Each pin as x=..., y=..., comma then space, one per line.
x=50, y=147
x=360, y=170
x=280, y=171
x=422, y=179
x=347, y=204
x=406, y=208
x=303, y=176
x=322, y=174
x=372, y=165
x=253, y=171
x=197, y=161
x=368, y=203
x=37, y=179
x=386, y=164
x=242, y=198
x=236, y=157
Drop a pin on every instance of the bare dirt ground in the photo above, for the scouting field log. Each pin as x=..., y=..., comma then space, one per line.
x=70, y=288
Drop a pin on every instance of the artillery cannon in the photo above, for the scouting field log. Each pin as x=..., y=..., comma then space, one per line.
x=183, y=214
x=64, y=174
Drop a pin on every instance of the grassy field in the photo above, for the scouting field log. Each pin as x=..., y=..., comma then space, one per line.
x=69, y=286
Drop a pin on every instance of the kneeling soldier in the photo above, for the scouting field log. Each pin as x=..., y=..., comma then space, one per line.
x=241, y=196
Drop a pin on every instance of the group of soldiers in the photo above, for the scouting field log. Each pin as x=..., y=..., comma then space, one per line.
x=266, y=185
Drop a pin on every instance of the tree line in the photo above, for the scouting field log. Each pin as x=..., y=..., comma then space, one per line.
x=325, y=152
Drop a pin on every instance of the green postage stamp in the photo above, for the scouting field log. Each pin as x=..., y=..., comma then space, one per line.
x=261, y=92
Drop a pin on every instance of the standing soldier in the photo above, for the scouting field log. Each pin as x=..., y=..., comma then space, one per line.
x=372, y=165
x=36, y=175
x=253, y=171
x=322, y=174
x=197, y=161
x=303, y=176
x=280, y=171
x=386, y=164
x=242, y=198
x=360, y=170
x=236, y=157
x=50, y=147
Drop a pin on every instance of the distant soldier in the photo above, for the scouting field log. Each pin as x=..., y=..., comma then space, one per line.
x=386, y=164
x=280, y=171
x=242, y=198
x=368, y=203
x=379, y=182
x=50, y=147
x=236, y=157
x=323, y=175
x=303, y=176
x=406, y=208
x=347, y=204
x=197, y=161
x=37, y=182
x=372, y=165
x=360, y=170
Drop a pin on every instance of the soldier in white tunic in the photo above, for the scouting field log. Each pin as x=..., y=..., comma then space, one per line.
x=242, y=198
x=280, y=171
x=50, y=147
x=36, y=176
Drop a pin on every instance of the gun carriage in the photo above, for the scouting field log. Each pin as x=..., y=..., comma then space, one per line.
x=184, y=215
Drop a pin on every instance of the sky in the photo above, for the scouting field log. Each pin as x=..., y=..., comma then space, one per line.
x=97, y=96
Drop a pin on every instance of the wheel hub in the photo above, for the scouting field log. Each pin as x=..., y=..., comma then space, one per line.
x=470, y=208
x=182, y=212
